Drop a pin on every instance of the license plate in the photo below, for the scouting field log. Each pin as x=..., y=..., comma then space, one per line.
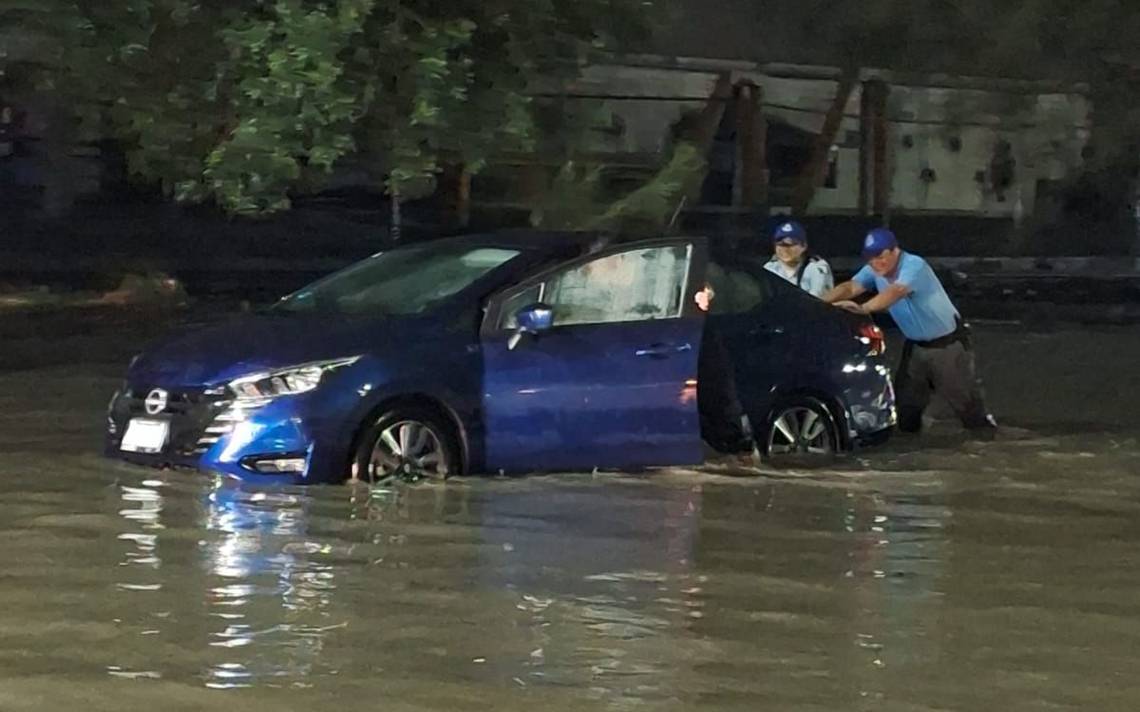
x=145, y=435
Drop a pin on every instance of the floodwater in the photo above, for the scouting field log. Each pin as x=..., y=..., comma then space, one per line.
x=936, y=573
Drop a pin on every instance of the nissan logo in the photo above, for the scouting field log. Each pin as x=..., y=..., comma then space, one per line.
x=155, y=401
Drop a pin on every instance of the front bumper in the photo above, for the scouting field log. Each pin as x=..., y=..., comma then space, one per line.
x=272, y=442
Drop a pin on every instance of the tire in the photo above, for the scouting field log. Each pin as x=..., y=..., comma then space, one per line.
x=429, y=437
x=801, y=430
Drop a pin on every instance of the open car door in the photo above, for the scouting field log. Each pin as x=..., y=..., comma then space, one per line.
x=610, y=382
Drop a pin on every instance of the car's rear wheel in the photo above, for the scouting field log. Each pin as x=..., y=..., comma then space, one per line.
x=801, y=430
x=408, y=442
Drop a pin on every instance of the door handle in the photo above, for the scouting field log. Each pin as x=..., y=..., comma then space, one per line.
x=663, y=350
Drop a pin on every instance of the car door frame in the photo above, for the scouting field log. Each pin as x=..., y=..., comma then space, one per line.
x=698, y=267
x=490, y=328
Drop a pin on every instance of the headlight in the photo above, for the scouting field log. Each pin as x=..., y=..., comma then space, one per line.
x=286, y=381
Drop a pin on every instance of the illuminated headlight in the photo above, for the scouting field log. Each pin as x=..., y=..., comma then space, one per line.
x=286, y=381
x=276, y=465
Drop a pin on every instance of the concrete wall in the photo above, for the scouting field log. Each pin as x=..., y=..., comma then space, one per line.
x=645, y=124
x=953, y=133
x=940, y=149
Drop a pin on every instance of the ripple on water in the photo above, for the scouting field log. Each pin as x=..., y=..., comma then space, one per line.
x=939, y=574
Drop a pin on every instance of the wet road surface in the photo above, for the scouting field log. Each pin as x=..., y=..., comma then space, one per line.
x=936, y=573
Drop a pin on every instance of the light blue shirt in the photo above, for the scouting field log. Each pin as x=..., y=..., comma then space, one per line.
x=816, y=279
x=927, y=312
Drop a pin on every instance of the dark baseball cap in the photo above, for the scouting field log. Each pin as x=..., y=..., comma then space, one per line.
x=790, y=230
x=877, y=241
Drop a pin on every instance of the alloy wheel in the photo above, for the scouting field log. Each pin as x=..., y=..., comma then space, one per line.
x=801, y=430
x=409, y=449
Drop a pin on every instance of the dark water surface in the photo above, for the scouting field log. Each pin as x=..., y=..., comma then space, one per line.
x=933, y=574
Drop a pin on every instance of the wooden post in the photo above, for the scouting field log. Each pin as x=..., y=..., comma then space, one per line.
x=813, y=174
x=874, y=145
x=865, y=133
x=880, y=167
x=708, y=121
x=751, y=141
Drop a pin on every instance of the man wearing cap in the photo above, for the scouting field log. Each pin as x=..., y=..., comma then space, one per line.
x=938, y=355
x=793, y=262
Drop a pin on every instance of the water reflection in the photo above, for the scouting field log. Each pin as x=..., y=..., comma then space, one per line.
x=142, y=510
x=604, y=585
x=265, y=586
x=620, y=589
x=270, y=586
x=939, y=574
x=899, y=553
x=146, y=514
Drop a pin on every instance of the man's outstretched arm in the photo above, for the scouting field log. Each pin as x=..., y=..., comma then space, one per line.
x=884, y=300
x=843, y=292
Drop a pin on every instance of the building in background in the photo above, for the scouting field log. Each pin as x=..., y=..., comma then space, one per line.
x=931, y=145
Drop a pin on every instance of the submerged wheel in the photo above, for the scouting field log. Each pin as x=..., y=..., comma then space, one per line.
x=410, y=443
x=802, y=429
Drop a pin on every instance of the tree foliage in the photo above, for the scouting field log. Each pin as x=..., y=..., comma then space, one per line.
x=244, y=101
x=576, y=198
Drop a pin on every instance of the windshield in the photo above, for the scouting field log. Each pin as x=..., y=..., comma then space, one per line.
x=404, y=281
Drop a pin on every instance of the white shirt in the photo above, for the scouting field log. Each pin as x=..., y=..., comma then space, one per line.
x=816, y=279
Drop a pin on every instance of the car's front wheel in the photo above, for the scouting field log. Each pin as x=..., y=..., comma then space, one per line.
x=801, y=429
x=408, y=442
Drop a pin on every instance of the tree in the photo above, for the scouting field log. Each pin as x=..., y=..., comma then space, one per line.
x=246, y=101
x=577, y=200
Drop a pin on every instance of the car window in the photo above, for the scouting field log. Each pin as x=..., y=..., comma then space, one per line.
x=636, y=285
x=739, y=289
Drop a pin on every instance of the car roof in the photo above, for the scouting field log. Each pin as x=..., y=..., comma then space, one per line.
x=523, y=240
x=539, y=242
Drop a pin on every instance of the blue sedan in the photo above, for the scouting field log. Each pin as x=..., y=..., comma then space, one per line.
x=513, y=352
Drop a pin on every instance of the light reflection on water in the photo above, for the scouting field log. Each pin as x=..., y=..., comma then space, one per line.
x=887, y=585
x=942, y=574
x=593, y=586
x=269, y=584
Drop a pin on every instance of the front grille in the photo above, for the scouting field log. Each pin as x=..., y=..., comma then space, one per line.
x=198, y=419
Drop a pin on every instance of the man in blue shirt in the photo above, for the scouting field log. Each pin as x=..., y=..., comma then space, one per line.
x=938, y=355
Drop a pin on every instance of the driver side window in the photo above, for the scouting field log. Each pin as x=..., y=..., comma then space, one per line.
x=739, y=289
x=637, y=285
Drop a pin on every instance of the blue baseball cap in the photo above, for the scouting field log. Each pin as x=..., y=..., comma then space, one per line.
x=877, y=241
x=790, y=230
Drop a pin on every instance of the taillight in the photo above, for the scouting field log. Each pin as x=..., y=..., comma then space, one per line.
x=872, y=336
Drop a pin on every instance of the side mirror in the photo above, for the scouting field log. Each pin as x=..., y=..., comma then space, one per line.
x=534, y=320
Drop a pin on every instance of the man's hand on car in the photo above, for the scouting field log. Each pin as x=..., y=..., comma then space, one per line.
x=850, y=306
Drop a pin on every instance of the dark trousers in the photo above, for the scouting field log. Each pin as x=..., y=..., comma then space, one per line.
x=717, y=401
x=948, y=369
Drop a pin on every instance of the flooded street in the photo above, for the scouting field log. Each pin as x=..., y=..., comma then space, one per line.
x=935, y=573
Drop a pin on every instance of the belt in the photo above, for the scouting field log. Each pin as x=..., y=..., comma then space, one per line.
x=961, y=333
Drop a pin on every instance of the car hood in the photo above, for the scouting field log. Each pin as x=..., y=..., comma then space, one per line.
x=215, y=354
